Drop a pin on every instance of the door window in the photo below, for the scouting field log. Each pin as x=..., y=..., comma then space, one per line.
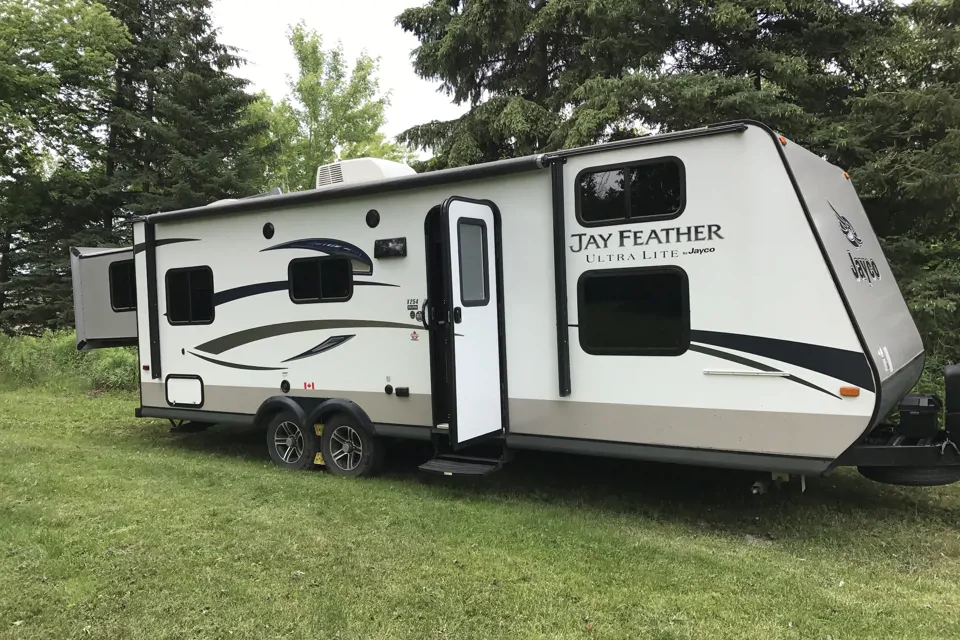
x=472, y=240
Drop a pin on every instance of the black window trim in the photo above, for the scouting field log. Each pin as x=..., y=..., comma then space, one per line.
x=660, y=352
x=213, y=307
x=628, y=165
x=319, y=260
x=110, y=278
x=476, y=222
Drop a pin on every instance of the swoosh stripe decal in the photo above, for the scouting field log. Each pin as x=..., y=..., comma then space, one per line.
x=330, y=343
x=757, y=365
x=247, y=290
x=240, y=338
x=849, y=366
x=234, y=365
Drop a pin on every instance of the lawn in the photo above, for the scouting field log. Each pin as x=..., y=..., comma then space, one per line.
x=112, y=527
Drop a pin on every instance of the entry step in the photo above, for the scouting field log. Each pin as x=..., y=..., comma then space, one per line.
x=453, y=465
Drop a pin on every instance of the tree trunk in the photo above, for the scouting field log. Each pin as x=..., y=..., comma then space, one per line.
x=5, y=241
x=111, y=164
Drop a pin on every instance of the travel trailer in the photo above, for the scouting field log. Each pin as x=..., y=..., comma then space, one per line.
x=711, y=297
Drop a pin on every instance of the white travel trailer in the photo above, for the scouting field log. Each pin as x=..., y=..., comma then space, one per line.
x=712, y=297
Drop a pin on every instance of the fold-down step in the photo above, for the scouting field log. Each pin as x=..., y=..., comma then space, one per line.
x=454, y=465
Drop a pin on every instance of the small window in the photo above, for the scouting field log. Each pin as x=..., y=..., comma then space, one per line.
x=190, y=295
x=325, y=279
x=472, y=240
x=634, y=312
x=650, y=190
x=123, y=286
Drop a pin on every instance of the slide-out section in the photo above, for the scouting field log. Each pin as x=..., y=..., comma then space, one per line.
x=104, y=297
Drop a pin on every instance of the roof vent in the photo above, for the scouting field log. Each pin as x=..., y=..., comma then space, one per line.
x=329, y=174
x=360, y=170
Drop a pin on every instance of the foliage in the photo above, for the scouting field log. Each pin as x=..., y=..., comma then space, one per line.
x=332, y=113
x=51, y=361
x=56, y=60
x=156, y=125
x=873, y=85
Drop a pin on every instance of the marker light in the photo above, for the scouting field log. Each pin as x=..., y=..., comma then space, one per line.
x=849, y=392
x=783, y=141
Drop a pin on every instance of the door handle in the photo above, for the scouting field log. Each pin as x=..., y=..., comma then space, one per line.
x=457, y=315
x=423, y=315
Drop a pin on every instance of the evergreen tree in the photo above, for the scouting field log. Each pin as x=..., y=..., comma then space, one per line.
x=56, y=57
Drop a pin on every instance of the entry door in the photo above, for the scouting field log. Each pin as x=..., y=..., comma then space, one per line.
x=478, y=403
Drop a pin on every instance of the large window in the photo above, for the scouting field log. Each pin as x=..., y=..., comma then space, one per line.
x=323, y=279
x=634, y=311
x=123, y=286
x=474, y=271
x=649, y=190
x=190, y=295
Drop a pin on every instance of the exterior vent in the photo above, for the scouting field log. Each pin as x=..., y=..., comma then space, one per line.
x=329, y=174
x=357, y=170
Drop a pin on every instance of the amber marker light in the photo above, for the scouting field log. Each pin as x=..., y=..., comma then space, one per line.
x=849, y=392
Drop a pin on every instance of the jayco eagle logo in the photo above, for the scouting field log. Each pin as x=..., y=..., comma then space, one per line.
x=847, y=228
x=863, y=269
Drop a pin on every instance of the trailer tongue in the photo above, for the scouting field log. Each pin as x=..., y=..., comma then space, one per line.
x=915, y=452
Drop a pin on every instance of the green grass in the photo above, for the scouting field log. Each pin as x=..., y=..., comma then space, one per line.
x=115, y=528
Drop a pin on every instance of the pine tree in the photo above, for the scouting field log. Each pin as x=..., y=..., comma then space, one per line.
x=55, y=62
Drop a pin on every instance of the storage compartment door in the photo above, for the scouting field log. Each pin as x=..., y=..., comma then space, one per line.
x=104, y=297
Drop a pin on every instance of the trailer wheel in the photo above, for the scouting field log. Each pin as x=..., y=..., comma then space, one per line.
x=349, y=449
x=289, y=443
x=912, y=476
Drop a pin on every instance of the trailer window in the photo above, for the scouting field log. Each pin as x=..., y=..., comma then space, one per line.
x=472, y=241
x=123, y=286
x=634, y=312
x=323, y=279
x=190, y=295
x=635, y=192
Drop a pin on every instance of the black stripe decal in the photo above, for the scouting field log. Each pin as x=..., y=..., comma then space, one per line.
x=247, y=290
x=234, y=365
x=140, y=246
x=330, y=343
x=757, y=365
x=240, y=338
x=849, y=366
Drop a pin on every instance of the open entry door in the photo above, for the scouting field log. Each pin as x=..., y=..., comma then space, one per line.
x=476, y=352
x=104, y=297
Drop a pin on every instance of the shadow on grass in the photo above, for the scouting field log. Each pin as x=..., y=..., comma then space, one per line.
x=840, y=508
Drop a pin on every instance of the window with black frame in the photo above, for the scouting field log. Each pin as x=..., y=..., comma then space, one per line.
x=320, y=279
x=647, y=190
x=123, y=286
x=190, y=295
x=634, y=311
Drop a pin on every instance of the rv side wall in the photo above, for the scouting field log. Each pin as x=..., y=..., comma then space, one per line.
x=769, y=342
x=761, y=300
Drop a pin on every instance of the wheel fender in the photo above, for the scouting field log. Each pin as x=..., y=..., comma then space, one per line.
x=339, y=405
x=276, y=404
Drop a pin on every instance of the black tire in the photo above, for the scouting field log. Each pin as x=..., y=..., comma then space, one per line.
x=349, y=449
x=291, y=445
x=912, y=476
